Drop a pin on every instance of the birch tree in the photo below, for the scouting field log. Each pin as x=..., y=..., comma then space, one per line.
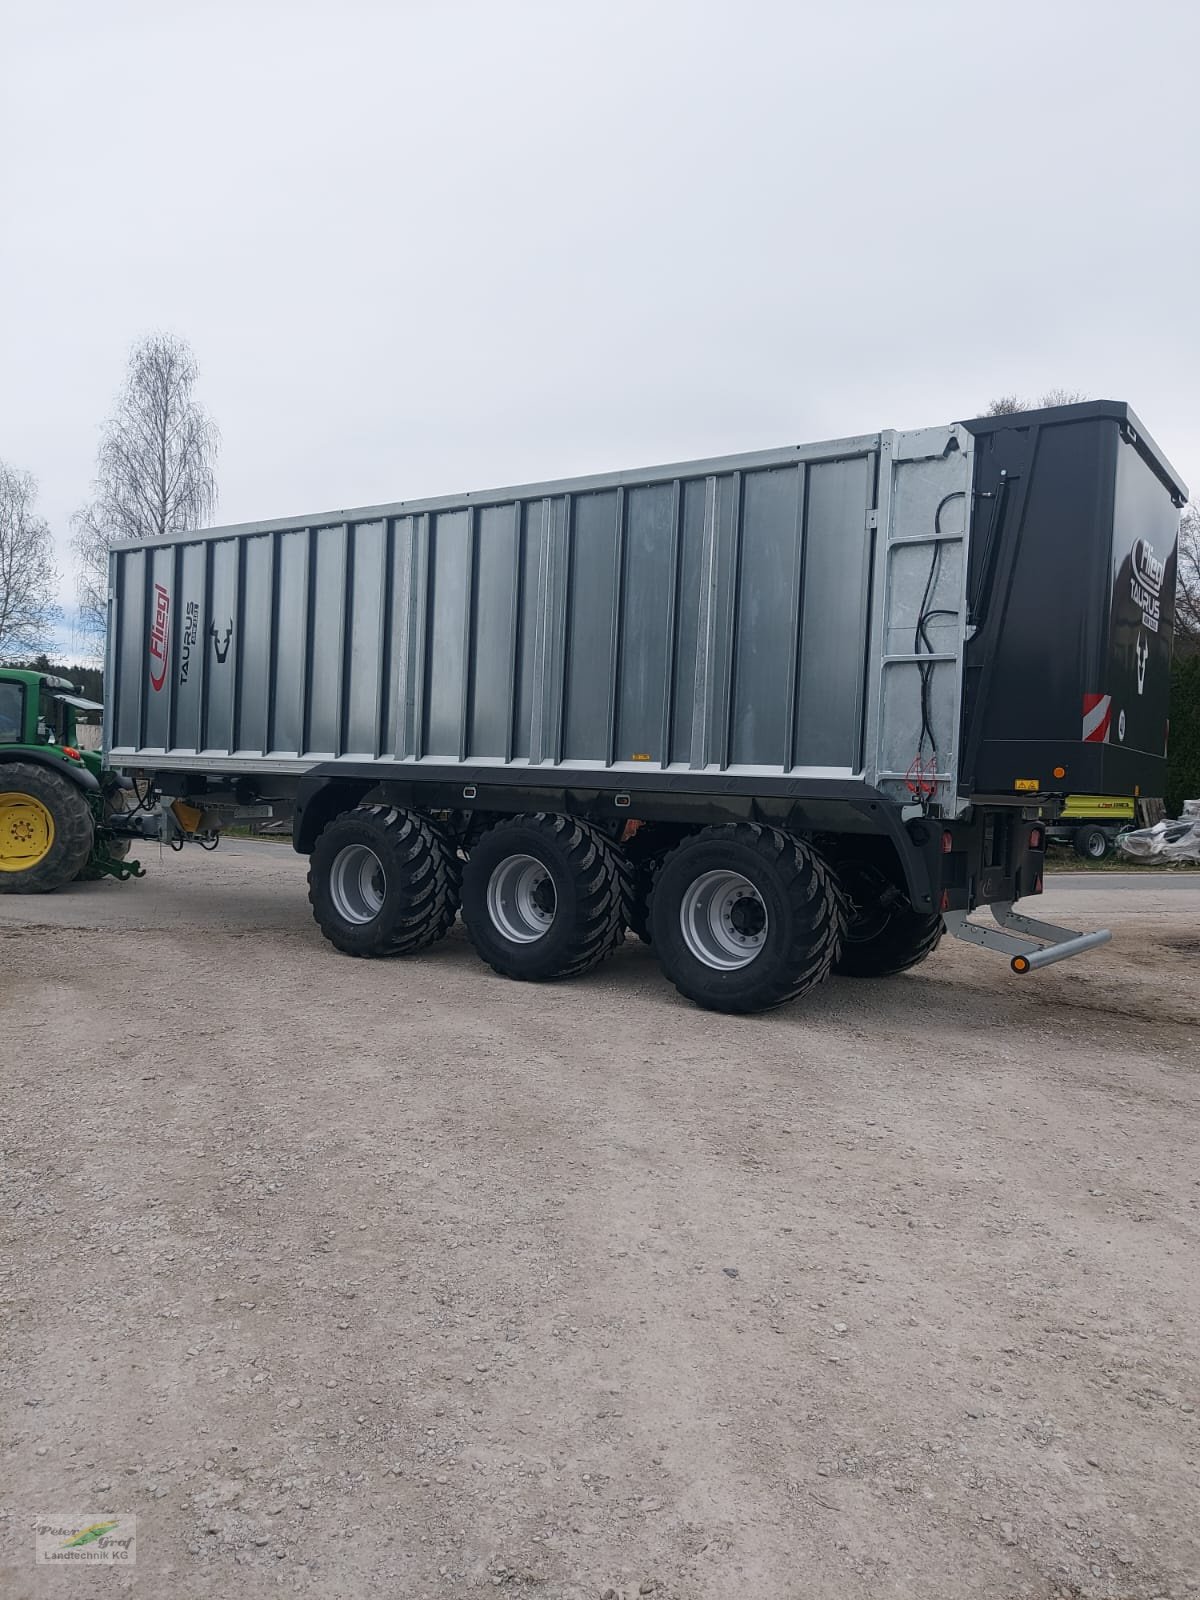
x=28, y=576
x=156, y=468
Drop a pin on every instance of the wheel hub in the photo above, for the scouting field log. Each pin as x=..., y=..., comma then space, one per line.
x=357, y=884
x=747, y=916
x=723, y=920
x=871, y=896
x=521, y=899
x=26, y=832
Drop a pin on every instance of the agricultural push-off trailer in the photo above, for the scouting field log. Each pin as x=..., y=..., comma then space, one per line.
x=782, y=714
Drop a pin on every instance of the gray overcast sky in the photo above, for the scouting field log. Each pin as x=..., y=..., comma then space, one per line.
x=428, y=247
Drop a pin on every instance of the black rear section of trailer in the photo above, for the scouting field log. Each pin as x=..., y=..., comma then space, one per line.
x=1071, y=592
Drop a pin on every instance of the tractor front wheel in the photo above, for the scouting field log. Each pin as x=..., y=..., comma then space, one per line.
x=45, y=829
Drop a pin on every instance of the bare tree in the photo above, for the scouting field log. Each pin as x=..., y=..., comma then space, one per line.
x=155, y=472
x=1007, y=405
x=1063, y=397
x=28, y=576
x=1187, y=584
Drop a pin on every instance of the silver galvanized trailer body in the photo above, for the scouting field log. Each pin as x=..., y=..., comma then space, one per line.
x=733, y=621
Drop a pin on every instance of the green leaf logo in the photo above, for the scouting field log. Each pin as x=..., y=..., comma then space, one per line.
x=88, y=1535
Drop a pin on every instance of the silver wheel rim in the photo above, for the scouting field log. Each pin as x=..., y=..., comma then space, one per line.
x=521, y=900
x=723, y=920
x=357, y=884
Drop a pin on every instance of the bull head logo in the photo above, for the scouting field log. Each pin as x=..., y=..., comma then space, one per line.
x=1143, y=655
x=221, y=640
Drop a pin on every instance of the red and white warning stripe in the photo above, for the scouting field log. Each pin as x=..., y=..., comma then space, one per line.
x=1097, y=718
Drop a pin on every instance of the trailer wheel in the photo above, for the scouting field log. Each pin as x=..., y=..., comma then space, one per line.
x=1092, y=843
x=639, y=888
x=745, y=917
x=884, y=934
x=382, y=882
x=543, y=897
x=642, y=855
x=45, y=829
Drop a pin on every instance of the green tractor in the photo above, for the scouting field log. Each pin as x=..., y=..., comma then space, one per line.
x=59, y=808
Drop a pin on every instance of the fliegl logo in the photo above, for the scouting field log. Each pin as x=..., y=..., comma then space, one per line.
x=160, y=637
x=1145, y=582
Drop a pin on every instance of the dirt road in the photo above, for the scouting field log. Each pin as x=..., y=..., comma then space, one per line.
x=397, y=1279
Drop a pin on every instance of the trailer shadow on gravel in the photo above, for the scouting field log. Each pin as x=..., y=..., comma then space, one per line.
x=1130, y=989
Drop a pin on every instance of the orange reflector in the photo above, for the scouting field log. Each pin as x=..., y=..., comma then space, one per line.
x=1020, y=964
x=637, y=757
x=1060, y=772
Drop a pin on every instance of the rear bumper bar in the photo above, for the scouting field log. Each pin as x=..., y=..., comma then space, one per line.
x=1030, y=944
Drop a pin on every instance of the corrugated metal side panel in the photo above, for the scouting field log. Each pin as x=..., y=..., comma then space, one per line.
x=495, y=605
x=592, y=607
x=704, y=621
x=835, y=615
x=289, y=611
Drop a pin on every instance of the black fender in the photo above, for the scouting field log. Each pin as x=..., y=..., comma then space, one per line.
x=318, y=801
x=78, y=775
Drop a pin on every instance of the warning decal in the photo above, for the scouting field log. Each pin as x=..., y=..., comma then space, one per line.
x=1097, y=718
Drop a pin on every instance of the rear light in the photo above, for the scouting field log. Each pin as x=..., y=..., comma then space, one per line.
x=947, y=841
x=69, y=750
x=944, y=903
x=1037, y=838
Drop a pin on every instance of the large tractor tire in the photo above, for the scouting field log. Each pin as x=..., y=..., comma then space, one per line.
x=745, y=917
x=544, y=897
x=45, y=829
x=884, y=934
x=383, y=882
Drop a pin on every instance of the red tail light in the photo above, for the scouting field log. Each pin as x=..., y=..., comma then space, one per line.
x=947, y=841
x=1037, y=838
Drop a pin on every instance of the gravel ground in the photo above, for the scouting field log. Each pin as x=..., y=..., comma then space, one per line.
x=397, y=1279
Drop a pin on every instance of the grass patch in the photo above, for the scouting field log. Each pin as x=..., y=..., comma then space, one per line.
x=1065, y=860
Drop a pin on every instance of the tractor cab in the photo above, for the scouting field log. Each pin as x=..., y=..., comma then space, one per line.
x=41, y=711
x=59, y=709
x=33, y=710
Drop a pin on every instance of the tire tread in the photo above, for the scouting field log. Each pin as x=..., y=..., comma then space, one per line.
x=817, y=920
x=602, y=892
x=431, y=880
x=74, y=830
